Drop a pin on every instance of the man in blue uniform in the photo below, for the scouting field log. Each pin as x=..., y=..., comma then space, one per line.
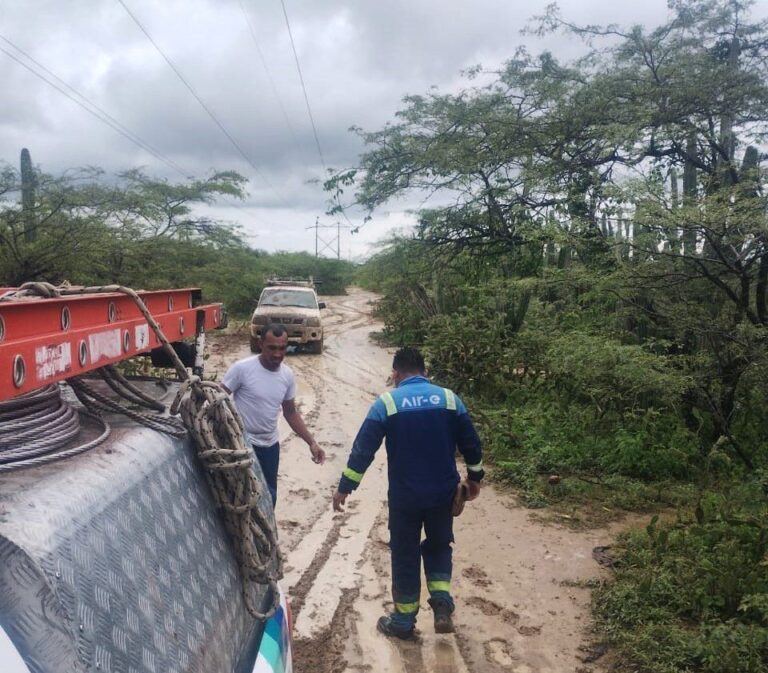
x=423, y=425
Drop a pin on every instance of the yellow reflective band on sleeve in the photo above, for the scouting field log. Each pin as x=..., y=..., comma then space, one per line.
x=349, y=473
x=450, y=400
x=407, y=608
x=475, y=468
x=389, y=403
x=438, y=585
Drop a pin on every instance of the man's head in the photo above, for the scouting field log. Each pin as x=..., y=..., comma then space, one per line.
x=406, y=363
x=274, y=343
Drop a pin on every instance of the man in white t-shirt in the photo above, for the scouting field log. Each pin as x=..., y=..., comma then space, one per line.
x=261, y=385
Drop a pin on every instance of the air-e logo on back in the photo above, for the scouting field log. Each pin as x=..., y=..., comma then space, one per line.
x=419, y=400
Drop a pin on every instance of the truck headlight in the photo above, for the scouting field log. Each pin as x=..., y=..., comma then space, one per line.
x=260, y=320
x=313, y=322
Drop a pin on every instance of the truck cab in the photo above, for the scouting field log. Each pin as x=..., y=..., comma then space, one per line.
x=293, y=304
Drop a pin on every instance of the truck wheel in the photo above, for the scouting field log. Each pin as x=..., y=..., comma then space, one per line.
x=255, y=347
x=316, y=347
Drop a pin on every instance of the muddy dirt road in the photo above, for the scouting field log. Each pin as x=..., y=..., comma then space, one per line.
x=521, y=607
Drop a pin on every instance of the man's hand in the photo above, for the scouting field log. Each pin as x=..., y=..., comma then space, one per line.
x=318, y=455
x=473, y=489
x=339, y=499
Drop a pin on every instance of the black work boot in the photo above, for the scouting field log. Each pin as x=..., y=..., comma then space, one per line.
x=389, y=628
x=442, y=609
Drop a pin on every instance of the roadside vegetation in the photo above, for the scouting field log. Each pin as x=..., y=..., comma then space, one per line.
x=596, y=288
x=92, y=229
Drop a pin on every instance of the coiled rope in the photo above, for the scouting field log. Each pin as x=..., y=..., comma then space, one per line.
x=210, y=417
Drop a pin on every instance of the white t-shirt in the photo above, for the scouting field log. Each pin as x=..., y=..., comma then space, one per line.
x=259, y=394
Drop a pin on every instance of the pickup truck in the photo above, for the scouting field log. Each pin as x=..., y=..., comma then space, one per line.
x=294, y=305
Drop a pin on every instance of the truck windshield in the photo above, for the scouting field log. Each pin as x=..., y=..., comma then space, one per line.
x=282, y=297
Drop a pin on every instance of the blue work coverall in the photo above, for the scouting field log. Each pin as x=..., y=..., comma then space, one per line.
x=423, y=425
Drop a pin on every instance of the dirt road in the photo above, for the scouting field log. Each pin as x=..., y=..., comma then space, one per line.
x=521, y=605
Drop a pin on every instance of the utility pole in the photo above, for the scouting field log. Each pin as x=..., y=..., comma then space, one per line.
x=324, y=244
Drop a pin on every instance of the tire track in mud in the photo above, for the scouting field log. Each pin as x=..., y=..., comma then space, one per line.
x=299, y=591
x=352, y=365
x=513, y=614
x=326, y=652
x=332, y=378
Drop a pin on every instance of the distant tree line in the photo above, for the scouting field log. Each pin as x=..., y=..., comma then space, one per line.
x=90, y=228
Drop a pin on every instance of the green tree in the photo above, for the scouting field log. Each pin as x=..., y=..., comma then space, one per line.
x=99, y=231
x=568, y=174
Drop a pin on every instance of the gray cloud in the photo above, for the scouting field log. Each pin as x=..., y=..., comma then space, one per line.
x=358, y=59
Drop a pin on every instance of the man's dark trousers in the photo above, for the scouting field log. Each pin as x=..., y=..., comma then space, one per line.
x=405, y=527
x=269, y=459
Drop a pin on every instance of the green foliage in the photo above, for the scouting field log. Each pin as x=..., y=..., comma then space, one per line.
x=691, y=595
x=611, y=376
x=633, y=339
x=594, y=281
x=141, y=232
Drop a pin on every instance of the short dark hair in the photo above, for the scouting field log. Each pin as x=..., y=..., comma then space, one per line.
x=273, y=328
x=408, y=360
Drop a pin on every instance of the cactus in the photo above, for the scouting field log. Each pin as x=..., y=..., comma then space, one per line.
x=690, y=188
x=750, y=167
x=28, y=184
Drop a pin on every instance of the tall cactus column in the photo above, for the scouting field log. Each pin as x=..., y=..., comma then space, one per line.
x=28, y=183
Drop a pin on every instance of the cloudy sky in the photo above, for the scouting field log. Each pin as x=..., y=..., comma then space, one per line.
x=358, y=59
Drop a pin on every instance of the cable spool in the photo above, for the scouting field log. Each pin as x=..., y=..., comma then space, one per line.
x=39, y=428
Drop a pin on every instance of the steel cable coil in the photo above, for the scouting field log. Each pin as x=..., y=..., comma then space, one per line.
x=39, y=427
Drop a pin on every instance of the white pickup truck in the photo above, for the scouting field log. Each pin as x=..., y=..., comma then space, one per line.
x=293, y=305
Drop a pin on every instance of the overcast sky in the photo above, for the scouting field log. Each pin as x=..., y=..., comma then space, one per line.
x=358, y=59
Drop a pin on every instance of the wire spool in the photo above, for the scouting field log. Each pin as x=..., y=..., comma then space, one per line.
x=39, y=428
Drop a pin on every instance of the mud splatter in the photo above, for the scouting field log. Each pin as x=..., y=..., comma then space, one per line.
x=524, y=630
x=477, y=576
x=492, y=609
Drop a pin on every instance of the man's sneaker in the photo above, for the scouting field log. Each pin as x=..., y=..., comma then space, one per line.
x=388, y=627
x=442, y=610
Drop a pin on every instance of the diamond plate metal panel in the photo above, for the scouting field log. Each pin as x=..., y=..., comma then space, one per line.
x=117, y=561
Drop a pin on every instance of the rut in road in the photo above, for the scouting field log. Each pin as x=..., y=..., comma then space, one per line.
x=517, y=582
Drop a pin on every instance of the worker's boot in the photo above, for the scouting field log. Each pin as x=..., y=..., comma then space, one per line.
x=390, y=627
x=442, y=609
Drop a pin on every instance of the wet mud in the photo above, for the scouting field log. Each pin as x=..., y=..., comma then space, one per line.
x=518, y=583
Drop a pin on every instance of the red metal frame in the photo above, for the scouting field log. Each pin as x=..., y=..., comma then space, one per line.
x=54, y=339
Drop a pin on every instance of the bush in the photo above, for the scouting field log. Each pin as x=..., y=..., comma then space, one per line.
x=692, y=595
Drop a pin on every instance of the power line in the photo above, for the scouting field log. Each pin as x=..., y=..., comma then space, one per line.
x=306, y=100
x=252, y=31
x=101, y=114
x=303, y=88
x=88, y=106
x=194, y=93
